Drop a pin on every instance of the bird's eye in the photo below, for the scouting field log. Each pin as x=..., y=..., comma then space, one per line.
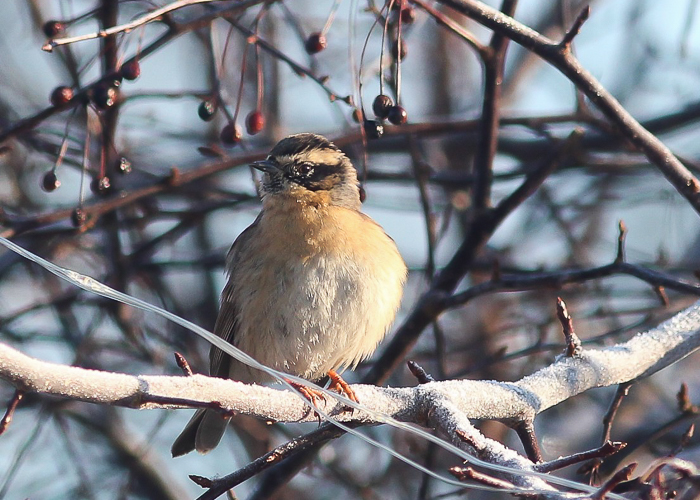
x=305, y=169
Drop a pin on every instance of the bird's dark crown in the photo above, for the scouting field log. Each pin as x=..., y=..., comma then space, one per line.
x=314, y=163
x=297, y=144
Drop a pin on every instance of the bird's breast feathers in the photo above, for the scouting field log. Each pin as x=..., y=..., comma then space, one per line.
x=336, y=281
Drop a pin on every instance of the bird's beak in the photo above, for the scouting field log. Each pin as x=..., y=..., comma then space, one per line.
x=266, y=166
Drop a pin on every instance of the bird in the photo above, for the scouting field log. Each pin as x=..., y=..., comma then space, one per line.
x=313, y=283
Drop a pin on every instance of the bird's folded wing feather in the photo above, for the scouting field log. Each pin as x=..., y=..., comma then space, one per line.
x=227, y=320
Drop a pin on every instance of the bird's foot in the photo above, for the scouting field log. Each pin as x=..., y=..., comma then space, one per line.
x=311, y=395
x=341, y=386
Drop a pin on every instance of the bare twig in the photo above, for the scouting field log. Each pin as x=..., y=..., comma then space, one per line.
x=622, y=233
x=469, y=474
x=622, y=475
x=183, y=364
x=573, y=343
x=575, y=28
x=453, y=26
x=621, y=393
x=155, y=15
x=418, y=372
x=11, y=407
x=556, y=280
x=685, y=439
x=684, y=404
x=608, y=448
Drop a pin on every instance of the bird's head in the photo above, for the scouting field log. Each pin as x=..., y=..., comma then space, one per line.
x=310, y=167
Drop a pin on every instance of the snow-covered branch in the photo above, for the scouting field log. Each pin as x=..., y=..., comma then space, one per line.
x=641, y=356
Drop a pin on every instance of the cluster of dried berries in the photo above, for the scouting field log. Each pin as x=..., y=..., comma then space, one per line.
x=104, y=94
x=383, y=106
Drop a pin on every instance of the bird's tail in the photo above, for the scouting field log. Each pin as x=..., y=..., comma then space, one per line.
x=202, y=433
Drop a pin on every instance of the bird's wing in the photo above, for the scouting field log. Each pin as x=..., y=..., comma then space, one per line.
x=227, y=321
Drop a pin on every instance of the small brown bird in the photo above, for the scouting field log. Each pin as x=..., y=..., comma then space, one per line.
x=314, y=284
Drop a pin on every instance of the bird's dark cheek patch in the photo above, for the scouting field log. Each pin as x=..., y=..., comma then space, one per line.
x=323, y=184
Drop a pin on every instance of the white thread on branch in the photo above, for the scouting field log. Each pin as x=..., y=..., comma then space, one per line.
x=643, y=355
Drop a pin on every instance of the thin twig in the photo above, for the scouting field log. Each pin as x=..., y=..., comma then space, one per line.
x=608, y=448
x=421, y=375
x=469, y=474
x=573, y=343
x=575, y=28
x=622, y=391
x=453, y=26
x=622, y=233
x=152, y=16
x=622, y=475
x=9, y=413
x=183, y=364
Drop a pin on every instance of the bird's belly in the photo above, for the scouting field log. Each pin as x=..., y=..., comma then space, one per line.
x=326, y=312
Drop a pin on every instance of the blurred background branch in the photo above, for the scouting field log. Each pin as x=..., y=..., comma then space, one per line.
x=125, y=157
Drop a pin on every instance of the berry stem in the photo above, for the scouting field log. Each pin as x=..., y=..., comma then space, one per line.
x=244, y=60
x=86, y=159
x=260, y=87
x=103, y=159
x=64, y=143
x=362, y=61
x=381, y=54
x=331, y=17
x=259, y=82
x=399, y=42
x=219, y=74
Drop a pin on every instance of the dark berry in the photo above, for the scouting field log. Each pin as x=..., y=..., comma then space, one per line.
x=131, y=70
x=381, y=106
x=373, y=129
x=231, y=134
x=104, y=96
x=315, y=43
x=357, y=115
x=395, y=50
x=408, y=15
x=254, y=122
x=123, y=166
x=50, y=182
x=100, y=185
x=78, y=217
x=397, y=115
x=207, y=110
x=61, y=95
x=363, y=194
x=53, y=28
